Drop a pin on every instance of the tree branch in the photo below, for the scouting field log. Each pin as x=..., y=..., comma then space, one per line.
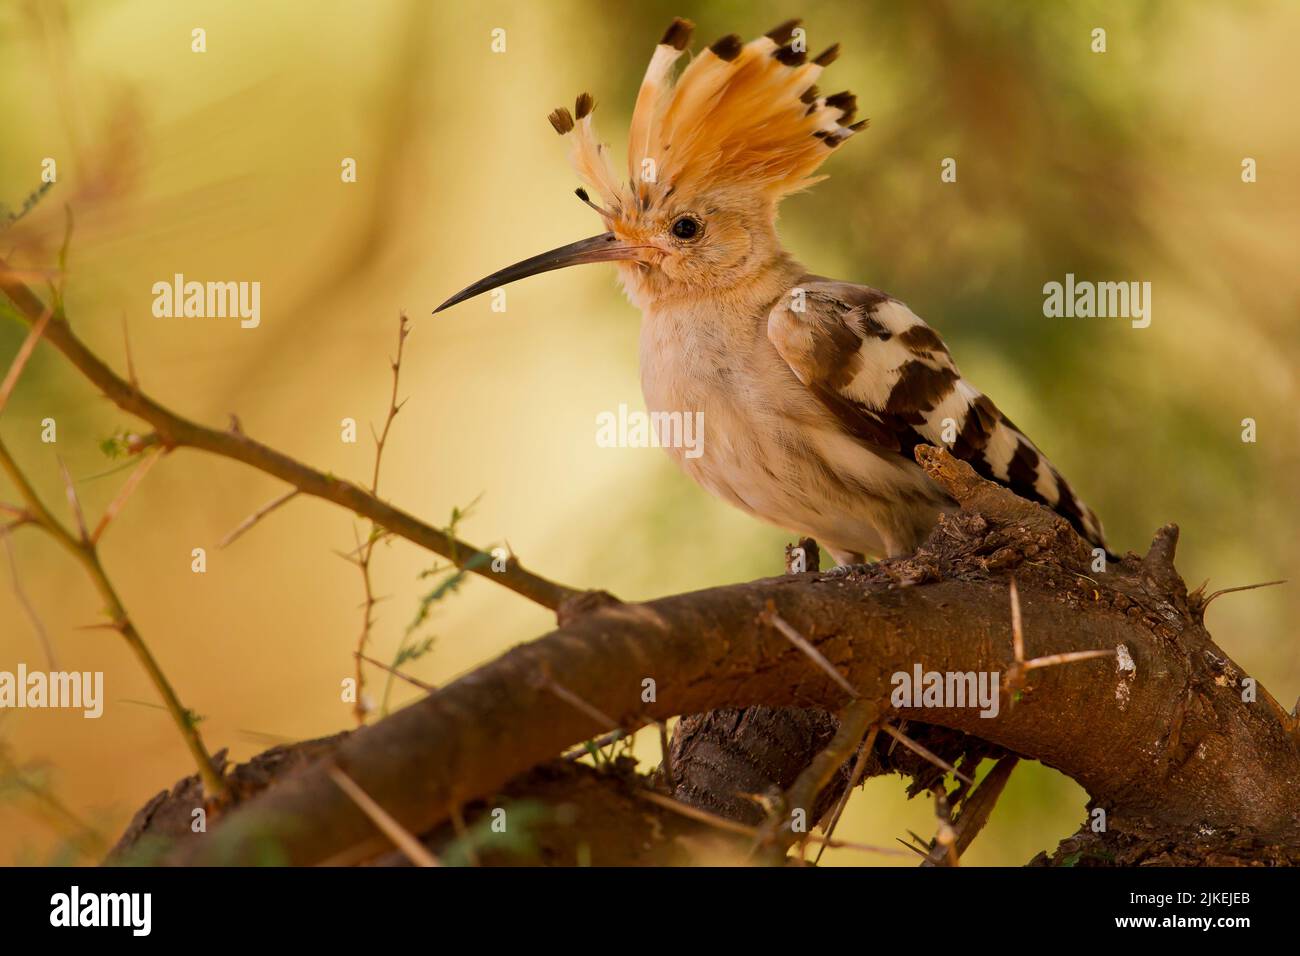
x=1162, y=738
x=84, y=549
x=173, y=431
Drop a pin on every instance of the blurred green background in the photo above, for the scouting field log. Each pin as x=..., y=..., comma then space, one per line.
x=225, y=165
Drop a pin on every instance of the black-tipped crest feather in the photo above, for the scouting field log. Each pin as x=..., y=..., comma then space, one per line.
x=780, y=35
x=678, y=34
x=727, y=48
x=828, y=55
x=562, y=120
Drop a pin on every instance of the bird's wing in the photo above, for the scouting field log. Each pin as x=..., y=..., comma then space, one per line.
x=888, y=379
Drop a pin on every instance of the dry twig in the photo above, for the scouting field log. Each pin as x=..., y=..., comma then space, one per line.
x=173, y=431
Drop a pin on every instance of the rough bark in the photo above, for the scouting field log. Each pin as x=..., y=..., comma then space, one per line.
x=1160, y=736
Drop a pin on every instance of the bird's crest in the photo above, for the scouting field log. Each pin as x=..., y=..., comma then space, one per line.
x=740, y=114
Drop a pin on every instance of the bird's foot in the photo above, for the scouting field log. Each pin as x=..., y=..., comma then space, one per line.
x=848, y=570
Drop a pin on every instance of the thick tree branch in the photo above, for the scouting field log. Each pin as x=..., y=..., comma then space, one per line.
x=1159, y=736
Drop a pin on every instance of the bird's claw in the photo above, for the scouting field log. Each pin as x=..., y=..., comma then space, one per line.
x=847, y=570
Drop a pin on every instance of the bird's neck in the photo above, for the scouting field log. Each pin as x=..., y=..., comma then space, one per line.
x=748, y=294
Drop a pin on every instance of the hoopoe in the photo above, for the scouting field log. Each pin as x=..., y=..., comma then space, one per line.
x=815, y=392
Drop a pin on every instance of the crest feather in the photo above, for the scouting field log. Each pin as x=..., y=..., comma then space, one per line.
x=739, y=114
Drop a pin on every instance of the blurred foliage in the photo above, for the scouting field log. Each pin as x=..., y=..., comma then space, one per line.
x=225, y=165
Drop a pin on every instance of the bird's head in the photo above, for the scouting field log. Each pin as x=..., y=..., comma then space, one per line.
x=710, y=155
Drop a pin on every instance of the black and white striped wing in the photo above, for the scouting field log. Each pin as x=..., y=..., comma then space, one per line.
x=888, y=379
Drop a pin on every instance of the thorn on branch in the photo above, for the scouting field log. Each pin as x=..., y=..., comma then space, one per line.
x=73, y=501
x=1069, y=657
x=569, y=697
x=1017, y=625
x=257, y=516
x=770, y=617
x=116, y=505
x=415, y=851
x=865, y=752
x=413, y=681
x=978, y=805
x=130, y=361
x=1015, y=676
x=921, y=751
x=1244, y=587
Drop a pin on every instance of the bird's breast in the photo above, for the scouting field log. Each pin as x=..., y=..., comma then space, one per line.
x=723, y=371
x=767, y=445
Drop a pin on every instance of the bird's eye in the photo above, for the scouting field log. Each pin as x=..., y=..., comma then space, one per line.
x=686, y=227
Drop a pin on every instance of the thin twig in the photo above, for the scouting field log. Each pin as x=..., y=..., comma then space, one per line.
x=731, y=826
x=37, y=625
x=600, y=743
x=24, y=353
x=854, y=723
x=945, y=838
x=86, y=553
x=368, y=549
x=978, y=805
x=415, y=851
x=359, y=709
x=394, y=406
x=859, y=768
x=352, y=556
x=667, y=760
x=695, y=813
x=257, y=516
x=463, y=835
x=174, y=431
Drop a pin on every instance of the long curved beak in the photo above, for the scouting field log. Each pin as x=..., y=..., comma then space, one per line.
x=606, y=247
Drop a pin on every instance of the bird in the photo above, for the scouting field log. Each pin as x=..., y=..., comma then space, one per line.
x=815, y=392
